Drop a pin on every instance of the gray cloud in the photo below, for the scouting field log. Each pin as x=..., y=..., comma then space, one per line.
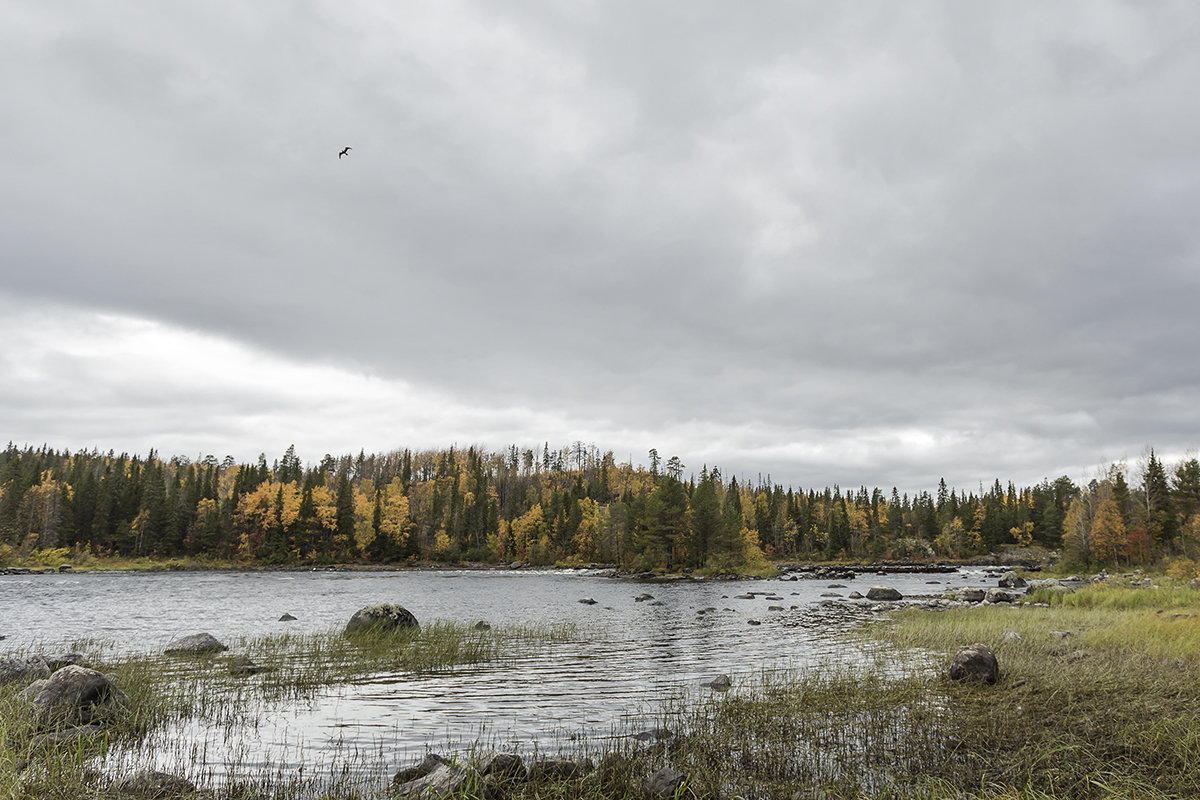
x=867, y=243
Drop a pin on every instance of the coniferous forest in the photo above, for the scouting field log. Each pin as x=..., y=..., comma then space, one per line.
x=573, y=505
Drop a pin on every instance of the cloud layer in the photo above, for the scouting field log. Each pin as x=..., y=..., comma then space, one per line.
x=867, y=243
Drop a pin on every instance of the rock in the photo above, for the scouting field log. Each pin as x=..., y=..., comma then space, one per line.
x=856, y=596
x=75, y=696
x=970, y=595
x=427, y=765
x=665, y=784
x=1011, y=580
x=720, y=683
x=832, y=594
x=654, y=735
x=998, y=596
x=744, y=596
x=381, y=618
x=482, y=626
x=643, y=597
x=975, y=662
x=65, y=736
x=445, y=780
x=1062, y=634
x=558, y=769
x=836, y=586
x=503, y=765
x=65, y=568
x=197, y=644
x=151, y=783
x=23, y=668
x=753, y=622
x=60, y=660
x=588, y=601
x=287, y=618
x=774, y=608
x=883, y=593
x=242, y=666
x=1011, y=636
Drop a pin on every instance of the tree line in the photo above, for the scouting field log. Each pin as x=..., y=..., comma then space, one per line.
x=571, y=505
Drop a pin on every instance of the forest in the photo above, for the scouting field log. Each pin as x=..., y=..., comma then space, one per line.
x=567, y=506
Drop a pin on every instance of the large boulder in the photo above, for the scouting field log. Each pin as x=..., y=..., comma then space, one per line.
x=197, y=644
x=75, y=696
x=381, y=618
x=971, y=594
x=975, y=662
x=995, y=595
x=883, y=593
x=23, y=668
x=500, y=764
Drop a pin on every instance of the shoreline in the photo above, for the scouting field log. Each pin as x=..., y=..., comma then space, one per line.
x=784, y=570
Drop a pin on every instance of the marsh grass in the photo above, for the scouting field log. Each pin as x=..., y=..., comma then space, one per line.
x=170, y=697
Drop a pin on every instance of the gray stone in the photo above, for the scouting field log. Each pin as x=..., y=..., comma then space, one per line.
x=68, y=736
x=975, y=662
x=445, y=780
x=970, y=594
x=998, y=596
x=1011, y=636
x=503, y=765
x=419, y=770
x=883, y=593
x=654, y=735
x=720, y=683
x=1011, y=580
x=151, y=783
x=197, y=644
x=381, y=618
x=243, y=666
x=60, y=660
x=588, y=601
x=287, y=618
x=23, y=668
x=76, y=696
x=482, y=626
x=665, y=784
x=643, y=597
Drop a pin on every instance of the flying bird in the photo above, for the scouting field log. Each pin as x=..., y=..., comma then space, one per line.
x=345, y=152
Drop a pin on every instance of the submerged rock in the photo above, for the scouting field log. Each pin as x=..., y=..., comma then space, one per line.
x=381, y=618
x=197, y=644
x=975, y=662
x=720, y=683
x=151, y=783
x=482, y=626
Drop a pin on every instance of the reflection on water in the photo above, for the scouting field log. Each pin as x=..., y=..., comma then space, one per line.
x=630, y=656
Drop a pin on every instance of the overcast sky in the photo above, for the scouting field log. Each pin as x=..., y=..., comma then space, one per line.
x=845, y=243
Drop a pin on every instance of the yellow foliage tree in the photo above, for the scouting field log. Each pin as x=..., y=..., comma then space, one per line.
x=1106, y=535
